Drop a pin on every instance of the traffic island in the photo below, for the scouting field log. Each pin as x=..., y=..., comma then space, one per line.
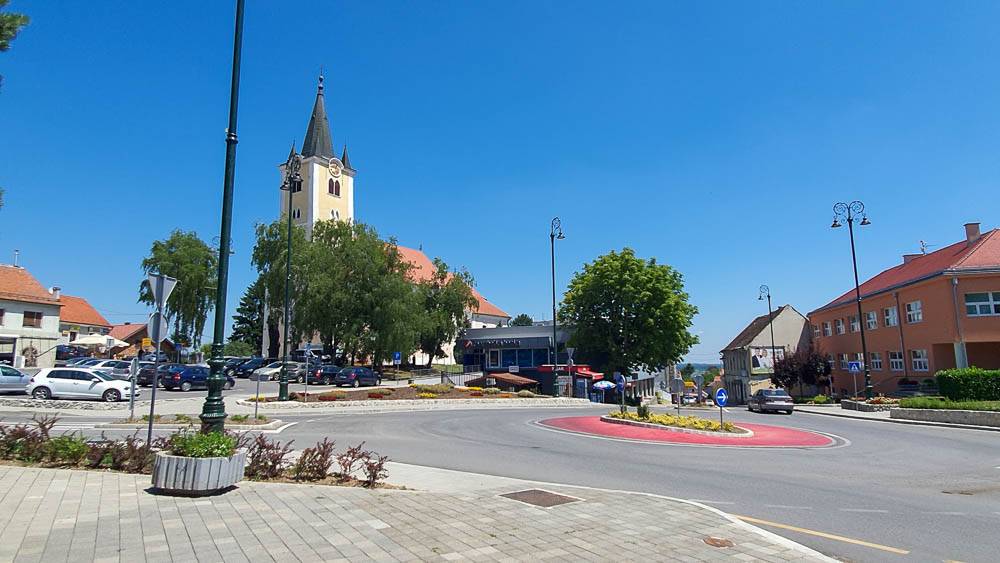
x=736, y=432
x=761, y=435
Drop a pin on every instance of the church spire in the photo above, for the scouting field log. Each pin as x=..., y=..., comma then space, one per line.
x=345, y=160
x=318, y=141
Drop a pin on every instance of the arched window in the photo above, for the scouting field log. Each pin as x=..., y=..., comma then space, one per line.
x=334, y=187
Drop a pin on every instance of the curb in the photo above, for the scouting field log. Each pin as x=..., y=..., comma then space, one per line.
x=747, y=433
x=910, y=422
x=418, y=404
x=177, y=426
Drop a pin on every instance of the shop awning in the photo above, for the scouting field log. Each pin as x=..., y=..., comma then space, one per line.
x=592, y=375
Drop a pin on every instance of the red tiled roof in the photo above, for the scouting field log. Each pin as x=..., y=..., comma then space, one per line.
x=126, y=331
x=959, y=257
x=422, y=269
x=76, y=310
x=17, y=284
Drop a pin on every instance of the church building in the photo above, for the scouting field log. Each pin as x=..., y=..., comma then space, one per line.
x=327, y=193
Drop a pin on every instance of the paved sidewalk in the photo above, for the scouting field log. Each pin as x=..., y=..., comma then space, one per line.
x=883, y=416
x=71, y=515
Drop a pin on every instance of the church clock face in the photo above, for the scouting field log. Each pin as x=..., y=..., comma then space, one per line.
x=334, y=169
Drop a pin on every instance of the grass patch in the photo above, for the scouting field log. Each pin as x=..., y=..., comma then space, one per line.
x=947, y=404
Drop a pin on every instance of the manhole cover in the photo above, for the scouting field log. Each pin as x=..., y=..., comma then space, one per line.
x=538, y=497
x=718, y=542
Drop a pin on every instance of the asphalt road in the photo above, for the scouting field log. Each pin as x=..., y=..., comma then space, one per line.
x=933, y=492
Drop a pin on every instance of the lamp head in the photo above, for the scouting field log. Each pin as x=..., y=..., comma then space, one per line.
x=560, y=236
x=836, y=224
x=865, y=221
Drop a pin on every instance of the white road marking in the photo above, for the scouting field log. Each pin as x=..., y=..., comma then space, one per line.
x=279, y=429
x=945, y=513
x=788, y=506
x=703, y=501
x=872, y=510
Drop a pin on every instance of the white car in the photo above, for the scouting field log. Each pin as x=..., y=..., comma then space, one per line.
x=78, y=383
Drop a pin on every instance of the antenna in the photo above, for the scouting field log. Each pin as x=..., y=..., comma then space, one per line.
x=924, y=246
x=17, y=254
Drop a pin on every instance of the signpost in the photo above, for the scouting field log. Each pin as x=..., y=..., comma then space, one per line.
x=677, y=389
x=133, y=372
x=160, y=286
x=307, y=356
x=720, y=400
x=397, y=358
x=855, y=369
x=620, y=384
x=699, y=380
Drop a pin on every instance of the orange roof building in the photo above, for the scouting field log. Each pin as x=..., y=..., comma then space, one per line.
x=80, y=317
x=422, y=269
x=29, y=319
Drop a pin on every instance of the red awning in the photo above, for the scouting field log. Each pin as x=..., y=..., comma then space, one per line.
x=590, y=374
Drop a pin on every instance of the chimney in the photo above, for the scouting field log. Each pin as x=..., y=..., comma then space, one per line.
x=908, y=257
x=971, y=232
x=56, y=291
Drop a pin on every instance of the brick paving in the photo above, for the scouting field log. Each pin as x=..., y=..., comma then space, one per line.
x=72, y=515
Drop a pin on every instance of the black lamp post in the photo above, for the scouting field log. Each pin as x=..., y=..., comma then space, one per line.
x=555, y=232
x=850, y=211
x=292, y=184
x=213, y=411
x=766, y=292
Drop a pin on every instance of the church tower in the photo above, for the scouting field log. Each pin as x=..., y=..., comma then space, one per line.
x=327, y=181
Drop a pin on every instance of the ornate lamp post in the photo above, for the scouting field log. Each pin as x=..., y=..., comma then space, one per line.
x=292, y=184
x=555, y=232
x=213, y=412
x=850, y=211
x=766, y=292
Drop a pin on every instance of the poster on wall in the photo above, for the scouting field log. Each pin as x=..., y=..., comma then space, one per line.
x=761, y=361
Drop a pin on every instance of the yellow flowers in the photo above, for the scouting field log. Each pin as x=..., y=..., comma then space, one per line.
x=427, y=395
x=692, y=422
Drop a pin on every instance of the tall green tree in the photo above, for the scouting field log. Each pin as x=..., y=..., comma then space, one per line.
x=628, y=313
x=807, y=366
x=248, y=321
x=195, y=265
x=687, y=371
x=269, y=257
x=10, y=24
x=444, y=299
x=522, y=320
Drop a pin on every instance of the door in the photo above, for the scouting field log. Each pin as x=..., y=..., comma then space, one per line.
x=11, y=379
x=60, y=382
x=85, y=386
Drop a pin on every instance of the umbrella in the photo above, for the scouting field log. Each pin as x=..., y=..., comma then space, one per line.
x=99, y=340
x=604, y=385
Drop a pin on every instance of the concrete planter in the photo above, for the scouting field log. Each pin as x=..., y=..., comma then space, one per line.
x=191, y=476
x=865, y=407
x=973, y=418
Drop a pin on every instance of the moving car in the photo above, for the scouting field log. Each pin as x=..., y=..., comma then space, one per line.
x=188, y=377
x=771, y=400
x=12, y=380
x=357, y=376
x=78, y=383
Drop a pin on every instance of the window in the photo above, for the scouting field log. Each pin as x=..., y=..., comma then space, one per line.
x=815, y=331
x=524, y=357
x=826, y=329
x=858, y=358
x=891, y=316
x=976, y=304
x=32, y=319
x=843, y=361
x=895, y=361
x=914, y=312
x=296, y=213
x=333, y=187
x=855, y=325
x=876, y=363
x=540, y=356
x=839, y=323
x=919, y=358
x=494, y=359
x=1, y=317
x=508, y=358
x=871, y=320
x=829, y=362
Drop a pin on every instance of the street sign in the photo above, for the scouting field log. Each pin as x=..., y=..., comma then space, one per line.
x=161, y=286
x=397, y=358
x=619, y=381
x=157, y=327
x=854, y=367
x=721, y=397
x=147, y=342
x=513, y=369
x=569, y=353
x=677, y=385
x=698, y=380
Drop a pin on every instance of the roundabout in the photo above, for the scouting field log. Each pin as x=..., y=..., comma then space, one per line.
x=764, y=435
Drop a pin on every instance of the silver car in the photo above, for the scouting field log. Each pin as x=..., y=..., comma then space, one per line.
x=765, y=400
x=78, y=383
x=12, y=380
x=272, y=372
x=119, y=369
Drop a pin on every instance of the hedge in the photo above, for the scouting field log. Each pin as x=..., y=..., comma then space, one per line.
x=969, y=384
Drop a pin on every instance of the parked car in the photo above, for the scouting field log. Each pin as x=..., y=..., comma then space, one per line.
x=119, y=369
x=151, y=357
x=79, y=360
x=247, y=368
x=67, y=352
x=12, y=380
x=324, y=374
x=145, y=377
x=78, y=383
x=312, y=368
x=357, y=376
x=232, y=364
x=188, y=377
x=272, y=372
x=771, y=400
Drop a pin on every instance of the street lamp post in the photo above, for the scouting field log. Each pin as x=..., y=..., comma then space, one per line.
x=849, y=211
x=555, y=232
x=766, y=292
x=292, y=184
x=213, y=411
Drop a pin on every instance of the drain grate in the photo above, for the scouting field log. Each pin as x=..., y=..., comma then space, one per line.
x=538, y=497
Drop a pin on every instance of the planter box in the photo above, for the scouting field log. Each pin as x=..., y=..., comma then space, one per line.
x=865, y=407
x=191, y=476
x=974, y=418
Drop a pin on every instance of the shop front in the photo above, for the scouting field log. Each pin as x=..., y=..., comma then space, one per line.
x=519, y=350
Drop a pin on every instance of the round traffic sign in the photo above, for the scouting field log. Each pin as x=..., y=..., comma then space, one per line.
x=721, y=397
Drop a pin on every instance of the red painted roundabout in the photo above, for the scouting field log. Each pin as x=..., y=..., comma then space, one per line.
x=764, y=435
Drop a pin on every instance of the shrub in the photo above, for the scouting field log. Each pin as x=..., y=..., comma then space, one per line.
x=820, y=400
x=314, y=463
x=882, y=400
x=25, y=442
x=374, y=468
x=525, y=394
x=131, y=454
x=156, y=417
x=196, y=444
x=379, y=393
x=942, y=403
x=491, y=391
x=427, y=395
x=473, y=388
x=437, y=388
x=348, y=461
x=266, y=459
x=69, y=449
x=476, y=394
x=692, y=422
x=332, y=396
x=969, y=384
x=642, y=411
x=183, y=419
x=239, y=417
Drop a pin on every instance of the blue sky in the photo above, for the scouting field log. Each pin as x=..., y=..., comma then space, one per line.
x=712, y=136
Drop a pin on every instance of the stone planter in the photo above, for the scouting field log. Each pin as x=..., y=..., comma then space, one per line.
x=192, y=476
x=866, y=407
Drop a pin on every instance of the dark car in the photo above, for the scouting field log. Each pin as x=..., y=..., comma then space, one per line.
x=246, y=368
x=145, y=377
x=229, y=368
x=324, y=374
x=312, y=368
x=771, y=400
x=189, y=377
x=357, y=376
x=66, y=352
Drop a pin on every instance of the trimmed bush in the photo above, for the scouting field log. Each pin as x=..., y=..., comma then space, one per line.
x=491, y=391
x=525, y=394
x=821, y=400
x=945, y=404
x=969, y=384
x=437, y=388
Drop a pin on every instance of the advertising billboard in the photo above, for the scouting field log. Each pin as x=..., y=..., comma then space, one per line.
x=761, y=361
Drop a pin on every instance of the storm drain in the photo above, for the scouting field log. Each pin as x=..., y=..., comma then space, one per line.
x=538, y=497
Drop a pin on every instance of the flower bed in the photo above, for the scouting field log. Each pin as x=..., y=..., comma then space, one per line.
x=683, y=422
x=184, y=419
x=875, y=405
